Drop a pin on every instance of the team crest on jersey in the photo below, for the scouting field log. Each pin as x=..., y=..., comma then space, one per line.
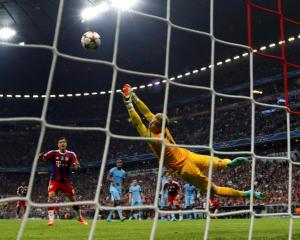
x=67, y=158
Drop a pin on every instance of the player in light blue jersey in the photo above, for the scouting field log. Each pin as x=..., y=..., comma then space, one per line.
x=116, y=177
x=163, y=203
x=135, y=197
x=190, y=194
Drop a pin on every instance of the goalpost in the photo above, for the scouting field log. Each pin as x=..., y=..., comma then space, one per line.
x=168, y=82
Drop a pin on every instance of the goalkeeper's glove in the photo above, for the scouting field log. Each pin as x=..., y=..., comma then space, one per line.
x=127, y=96
x=128, y=90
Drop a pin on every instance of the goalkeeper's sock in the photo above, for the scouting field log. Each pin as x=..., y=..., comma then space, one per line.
x=256, y=195
x=238, y=161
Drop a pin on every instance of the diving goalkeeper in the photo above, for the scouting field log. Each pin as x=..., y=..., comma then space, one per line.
x=189, y=165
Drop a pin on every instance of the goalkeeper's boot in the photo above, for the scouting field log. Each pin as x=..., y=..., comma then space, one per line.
x=256, y=195
x=238, y=162
x=50, y=222
x=123, y=219
x=82, y=221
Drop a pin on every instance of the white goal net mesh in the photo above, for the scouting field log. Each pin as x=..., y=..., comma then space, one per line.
x=109, y=135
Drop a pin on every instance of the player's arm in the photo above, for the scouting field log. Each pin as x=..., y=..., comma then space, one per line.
x=141, y=194
x=75, y=162
x=180, y=191
x=45, y=156
x=123, y=179
x=164, y=189
x=135, y=118
x=110, y=177
x=142, y=107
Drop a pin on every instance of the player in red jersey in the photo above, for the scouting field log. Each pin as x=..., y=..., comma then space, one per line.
x=21, y=192
x=173, y=188
x=214, y=205
x=61, y=161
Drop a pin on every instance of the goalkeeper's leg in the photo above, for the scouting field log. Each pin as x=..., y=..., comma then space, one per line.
x=202, y=161
x=192, y=174
x=231, y=192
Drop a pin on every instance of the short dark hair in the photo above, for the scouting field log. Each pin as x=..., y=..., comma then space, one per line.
x=62, y=138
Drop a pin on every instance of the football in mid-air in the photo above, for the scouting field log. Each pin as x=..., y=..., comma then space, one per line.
x=90, y=40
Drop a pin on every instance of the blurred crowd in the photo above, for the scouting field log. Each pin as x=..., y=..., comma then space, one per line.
x=271, y=178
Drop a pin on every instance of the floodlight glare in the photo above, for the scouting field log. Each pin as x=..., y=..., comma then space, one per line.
x=123, y=4
x=92, y=12
x=7, y=33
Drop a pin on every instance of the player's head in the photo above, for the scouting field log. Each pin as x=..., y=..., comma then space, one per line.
x=156, y=124
x=119, y=163
x=134, y=182
x=170, y=178
x=62, y=143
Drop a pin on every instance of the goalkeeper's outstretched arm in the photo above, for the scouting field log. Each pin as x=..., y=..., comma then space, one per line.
x=142, y=107
x=135, y=118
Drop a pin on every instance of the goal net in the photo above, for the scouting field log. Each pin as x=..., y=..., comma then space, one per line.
x=247, y=51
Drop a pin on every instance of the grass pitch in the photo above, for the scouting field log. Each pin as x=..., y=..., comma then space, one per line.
x=268, y=228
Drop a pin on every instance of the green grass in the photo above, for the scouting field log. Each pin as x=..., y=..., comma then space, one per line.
x=270, y=228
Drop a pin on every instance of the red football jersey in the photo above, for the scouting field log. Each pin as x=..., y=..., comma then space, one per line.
x=172, y=188
x=214, y=202
x=61, y=164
